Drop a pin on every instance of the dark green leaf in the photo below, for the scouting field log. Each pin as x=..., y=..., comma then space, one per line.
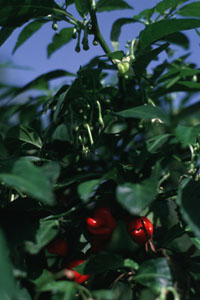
x=172, y=233
x=69, y=2
x=76, y=178
x=164, y=5
x=62, y=133
x=145, y=14
x=122, y=290
x=116, y=30
x=28, y=31
x=108, y=5
x=155, y=143
x=45, y=278
x=178, y=38
x=144, y=60
x=41, y=82
x=187, y=134
x=63, y=288
x=136, y=197
x=23, y=175
x=157, y=31
x=116, y=55
x=60, y=39
x=188, y=200
x=82, y=7
x=25, y=134
x=154, y=274
x=190, y=84
x=190, y=10
x=105, y=294
x=5, y=32
x=87, y=189
x=47, y=230
x=7, y=282
x=51, y=170
x=19, y=12
x=145, y=112
x=103, y=262
x=129, y=263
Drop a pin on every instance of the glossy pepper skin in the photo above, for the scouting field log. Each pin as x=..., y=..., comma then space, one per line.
x=140, y=230
x=102, y=223
x=58, y=246
x=79, y=278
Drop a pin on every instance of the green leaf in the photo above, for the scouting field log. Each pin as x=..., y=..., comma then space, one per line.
x=116, y=55
x=7, y=282
x=60, y=39
x=109, y=5
x=87, y=189
x=157, y=31
x=102, y=263
x=188, y=200
x=164, y=5
x=25, y=134
x=116, y=30
x=122, y=290
x=63, y=288
x=51, y=170
x=28, y=31
x=41, y=82
x=63, y=133
x=190, y=10
x=47, y=230
x=155, y=143
x=5, y=32
x=178, y=38
x=171, y=234
x=142, y=61
x=129, y=263
x=19, y=12
x=23, y=175
x=82, y=7
x=45, y=278
x=190, y=84
x=145, y=112
x=154, y=274
x=136, y=197
x=187, y=134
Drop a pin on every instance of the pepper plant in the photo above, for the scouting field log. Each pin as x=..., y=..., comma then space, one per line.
x=121, y=147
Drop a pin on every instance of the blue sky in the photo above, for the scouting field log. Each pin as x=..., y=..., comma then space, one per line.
x=33, y=53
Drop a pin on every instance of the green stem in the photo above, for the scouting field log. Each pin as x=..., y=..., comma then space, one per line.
x=95, y=27
x=89, y=133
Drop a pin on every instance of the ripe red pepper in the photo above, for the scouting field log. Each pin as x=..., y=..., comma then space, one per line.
x=58, y=246
x=102, y=223
x=79, y=278
x=141, y=231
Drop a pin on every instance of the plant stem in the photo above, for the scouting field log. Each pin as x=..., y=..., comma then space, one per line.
x=95, y=27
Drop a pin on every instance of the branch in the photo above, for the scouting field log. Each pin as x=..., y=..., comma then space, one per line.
x=95, y=27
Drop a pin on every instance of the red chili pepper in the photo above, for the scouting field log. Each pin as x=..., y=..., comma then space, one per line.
x=140, y=230
x=79, y=278
x=102, y=223
x=58, y=246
